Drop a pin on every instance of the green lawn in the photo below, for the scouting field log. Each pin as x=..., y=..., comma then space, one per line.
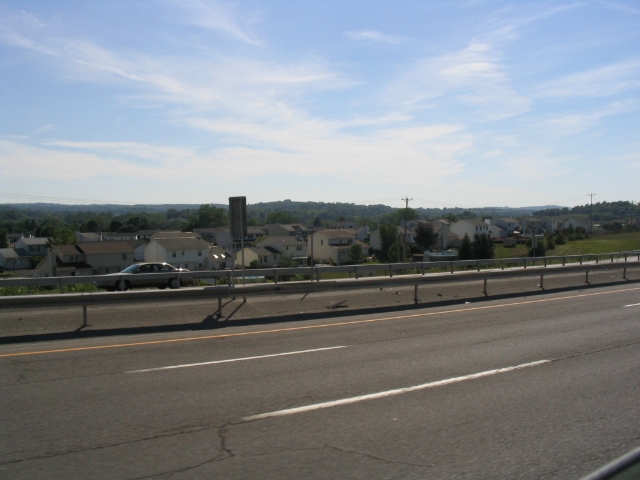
x=595, y=244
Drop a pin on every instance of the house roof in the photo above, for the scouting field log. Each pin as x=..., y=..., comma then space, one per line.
x=335, y=234
x=175, y=234
x=115, y=246
x=285, y=241
x=183, y=243
x=10, y=253
x=67, y=249
x=34, y=240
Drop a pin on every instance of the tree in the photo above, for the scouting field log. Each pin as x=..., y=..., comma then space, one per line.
x=465, y=252
x=355, y=252
x=281, y=218
x=388, y=237
x=482, y=247
x=4, y=241
x=208, y=216
x=537, y=248
x=551, y=243
x=425, y=236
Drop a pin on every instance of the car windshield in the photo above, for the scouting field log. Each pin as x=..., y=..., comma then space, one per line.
x=131, y=269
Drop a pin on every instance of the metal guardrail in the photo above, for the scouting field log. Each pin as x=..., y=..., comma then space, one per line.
x=233, y=277
x=542, y=267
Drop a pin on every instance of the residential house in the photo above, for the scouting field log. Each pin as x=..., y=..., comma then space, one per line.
x=334, y=246
x=87, y=258
x=115, y=236
x=510, y=226
x=31, y=246
x=470, y=227
x=293, y=230
x=10, y=259
x=292, y=247
x=88, y=237
x=184, y=250
x=218, y=259
x=224, y=240
x=532, y=226
x=262, y=256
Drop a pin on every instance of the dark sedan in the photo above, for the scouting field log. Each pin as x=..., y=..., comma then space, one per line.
x=137, y=276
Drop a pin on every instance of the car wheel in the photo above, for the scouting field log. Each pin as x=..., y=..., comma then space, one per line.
x=174, y=283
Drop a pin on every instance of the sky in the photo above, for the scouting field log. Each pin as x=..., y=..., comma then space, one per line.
x=447, y=103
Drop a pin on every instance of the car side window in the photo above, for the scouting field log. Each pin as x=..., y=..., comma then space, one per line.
x=145, y=269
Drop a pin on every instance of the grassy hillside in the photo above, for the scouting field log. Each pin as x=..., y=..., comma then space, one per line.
x=595, y=244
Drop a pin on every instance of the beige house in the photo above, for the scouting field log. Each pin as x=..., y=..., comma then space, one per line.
x=287, y=246
x=263, y=256
x=334, y=247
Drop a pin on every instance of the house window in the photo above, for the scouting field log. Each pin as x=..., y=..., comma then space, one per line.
x=174, y=254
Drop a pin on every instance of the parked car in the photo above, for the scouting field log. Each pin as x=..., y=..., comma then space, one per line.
x=132, y=277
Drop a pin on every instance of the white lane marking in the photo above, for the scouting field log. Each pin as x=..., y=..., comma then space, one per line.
x=388, y=393
x=234, y=360
x=632, y=305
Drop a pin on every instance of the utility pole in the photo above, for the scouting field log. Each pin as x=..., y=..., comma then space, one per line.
x=404, y=238
x=591, y=195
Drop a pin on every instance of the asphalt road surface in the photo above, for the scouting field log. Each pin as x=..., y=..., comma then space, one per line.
x=539, y=387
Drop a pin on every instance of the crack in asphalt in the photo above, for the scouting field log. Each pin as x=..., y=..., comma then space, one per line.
x=375, y=457
x=182, y=431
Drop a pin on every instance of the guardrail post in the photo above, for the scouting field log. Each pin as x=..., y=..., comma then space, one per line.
x=84, y=316
x=275, y=275
x=451, y=265
x=545, y=262
x=355, y=270
x=415, y=294
x=486, y=294
x=580, y=258
x=390, y=271
x=624, y=273
x=612, y=258
x=587, y=279
x=478, y=265
x=564, y=261
x=524, y=262
x=542, y=281
x=61, y=285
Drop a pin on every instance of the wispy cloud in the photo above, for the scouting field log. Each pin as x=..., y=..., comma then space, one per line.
x=474, y=77
x=375, y=37
x=215, y=15
x=604, y=81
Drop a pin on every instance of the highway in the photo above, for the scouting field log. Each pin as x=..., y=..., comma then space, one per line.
x=530, y=387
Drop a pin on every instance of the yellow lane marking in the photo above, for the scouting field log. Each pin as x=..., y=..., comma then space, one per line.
x=308, y=327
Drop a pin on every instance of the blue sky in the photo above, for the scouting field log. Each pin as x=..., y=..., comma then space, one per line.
x=449, y=103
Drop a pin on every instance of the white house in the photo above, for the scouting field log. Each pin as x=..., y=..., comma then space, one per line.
x=12, y=260
x=31, y=246
x=183, y=251
x=334, y=246
x=470, y=227
x=509, y=225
